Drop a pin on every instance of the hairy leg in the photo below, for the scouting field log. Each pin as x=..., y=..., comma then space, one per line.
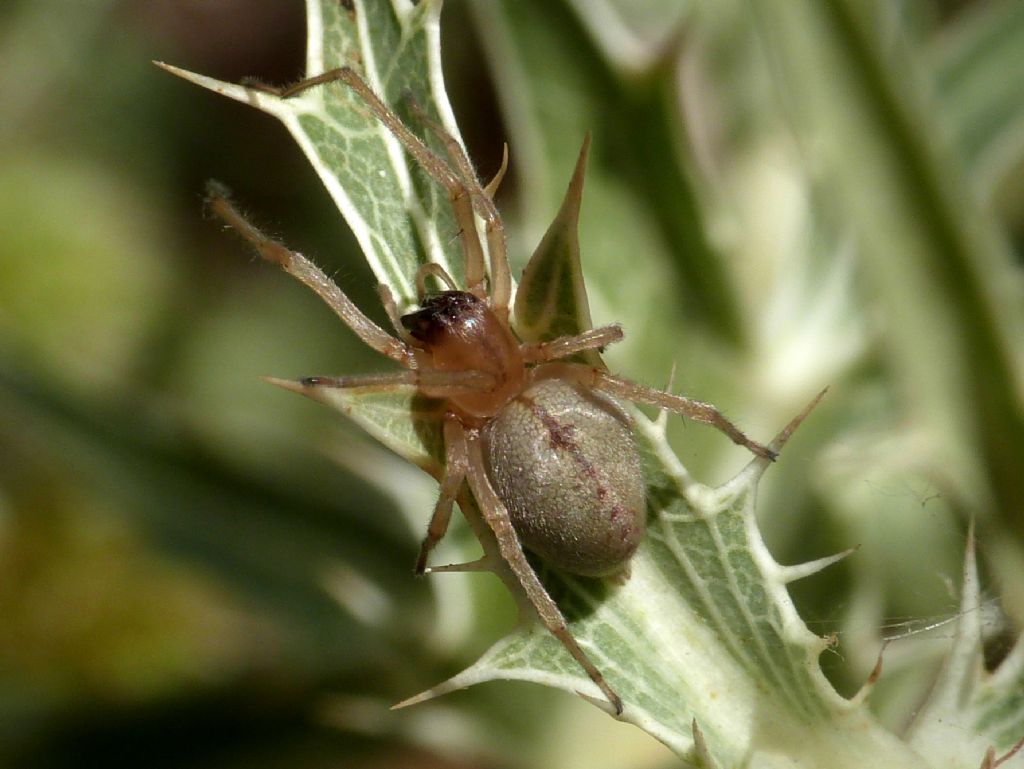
x=438, y=272
x=219, y=203
x=501, y=278
x=687, y=407
x=454, y=474
x=461, y=197
x=564, y=346
x=496, y=516
x=387, y=300
x=455, y=382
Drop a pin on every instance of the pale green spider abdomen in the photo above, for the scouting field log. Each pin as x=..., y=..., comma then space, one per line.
x=564, y=462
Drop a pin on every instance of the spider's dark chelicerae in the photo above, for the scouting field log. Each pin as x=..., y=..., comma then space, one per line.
x=545, y=449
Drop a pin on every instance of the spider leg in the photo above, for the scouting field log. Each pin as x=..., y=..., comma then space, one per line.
x=460, y=196
x=451, y=382
x=564, y=346
x=438, y=272
x=454, y=474
x=219, y=203
x=687, y=407
x=496, y=516
x=387, y=299
x=501, y=279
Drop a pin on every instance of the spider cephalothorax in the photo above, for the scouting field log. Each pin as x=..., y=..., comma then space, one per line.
x=456, y=313
x=538, y=438
x=456, y=331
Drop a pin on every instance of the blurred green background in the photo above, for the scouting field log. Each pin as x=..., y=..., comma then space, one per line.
x=199, y=570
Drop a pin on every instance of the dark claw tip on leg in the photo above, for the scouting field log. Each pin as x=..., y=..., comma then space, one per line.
x=255, y=84
x=763, y=451
x=421, y=567
x=610, y=697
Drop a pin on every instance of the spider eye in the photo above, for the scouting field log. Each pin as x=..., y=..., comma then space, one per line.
x=439, y=313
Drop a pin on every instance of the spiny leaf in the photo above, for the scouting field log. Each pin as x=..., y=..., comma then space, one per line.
x=970, y=711
x=552, y=298
x=399, y=216
x=702, y=631
x=398, y=416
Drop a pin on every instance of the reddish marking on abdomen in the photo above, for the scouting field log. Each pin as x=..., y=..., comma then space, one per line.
x=563, y=437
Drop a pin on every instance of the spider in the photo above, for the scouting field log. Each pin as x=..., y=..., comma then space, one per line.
x=541, y=442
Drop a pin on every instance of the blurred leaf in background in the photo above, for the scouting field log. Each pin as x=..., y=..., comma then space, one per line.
x=782, y=195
